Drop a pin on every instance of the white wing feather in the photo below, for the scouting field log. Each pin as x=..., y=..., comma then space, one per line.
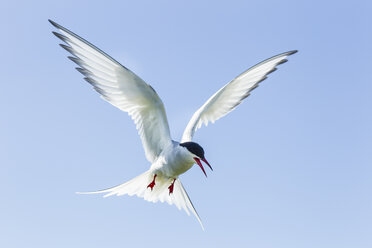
x=123, y=89
x=232, y=94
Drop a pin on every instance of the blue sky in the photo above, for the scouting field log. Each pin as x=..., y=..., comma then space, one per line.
x=292, y=164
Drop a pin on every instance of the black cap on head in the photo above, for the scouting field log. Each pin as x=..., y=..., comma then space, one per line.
x=194, y=148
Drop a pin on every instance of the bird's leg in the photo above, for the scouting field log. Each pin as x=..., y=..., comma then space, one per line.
x=152, y=184
x=171, y=186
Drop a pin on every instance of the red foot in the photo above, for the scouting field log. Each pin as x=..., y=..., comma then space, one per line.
x=152, y=184
x=171, y=187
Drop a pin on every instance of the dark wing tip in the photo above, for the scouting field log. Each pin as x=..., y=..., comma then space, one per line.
x=67, y=48
x=56, y=34
x=292, y=52
x=90, y=81
x=82, y=71
x=53, y=23
x=60, y=36
x=271, y=71
x=262, y=79
x=65, y=30
x=282, y=61
x=75, y=60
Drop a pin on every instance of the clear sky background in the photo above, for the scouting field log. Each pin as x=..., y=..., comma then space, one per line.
x=292, y=164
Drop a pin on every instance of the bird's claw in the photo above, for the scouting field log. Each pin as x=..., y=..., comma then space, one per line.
x=171, y=187
x=152, y=184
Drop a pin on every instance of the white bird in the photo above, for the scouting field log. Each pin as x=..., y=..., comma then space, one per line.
x=125, y=90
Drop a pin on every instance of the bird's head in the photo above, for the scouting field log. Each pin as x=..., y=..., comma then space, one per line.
x=197, y=153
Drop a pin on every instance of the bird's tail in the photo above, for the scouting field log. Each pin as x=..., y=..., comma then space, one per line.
x=138, y=186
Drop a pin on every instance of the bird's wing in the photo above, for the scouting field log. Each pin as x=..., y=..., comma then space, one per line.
x=232, y=94
x=122, y=88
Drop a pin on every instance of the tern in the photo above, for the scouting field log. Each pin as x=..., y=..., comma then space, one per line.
x=169, y=158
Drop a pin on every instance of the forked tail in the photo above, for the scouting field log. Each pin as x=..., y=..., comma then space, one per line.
x=138, y=186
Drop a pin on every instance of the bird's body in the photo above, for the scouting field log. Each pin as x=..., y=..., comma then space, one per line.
x=125, y=90
x=173, y=161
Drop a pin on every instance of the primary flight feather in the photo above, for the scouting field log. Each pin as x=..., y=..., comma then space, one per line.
x=125, y=90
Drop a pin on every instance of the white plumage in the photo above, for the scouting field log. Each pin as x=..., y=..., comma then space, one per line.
x=126, y=91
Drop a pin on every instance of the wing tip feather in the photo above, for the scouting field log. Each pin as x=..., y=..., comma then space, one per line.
x=67, y=48
x=82, y=71
x=53, y=23
x=74, y=59
x=272, y=70
x=60, y=36
x=262, y=79
x=292, y=52
x=282, y=62
x=90, y=81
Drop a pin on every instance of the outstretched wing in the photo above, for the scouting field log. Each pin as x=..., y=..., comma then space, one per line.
x=122, y=88
x=232, y=94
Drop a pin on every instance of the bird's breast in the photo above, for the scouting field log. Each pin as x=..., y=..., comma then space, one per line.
x=174, y=162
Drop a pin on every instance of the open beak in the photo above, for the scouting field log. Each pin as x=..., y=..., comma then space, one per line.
x=205, y=161
x=197, y=160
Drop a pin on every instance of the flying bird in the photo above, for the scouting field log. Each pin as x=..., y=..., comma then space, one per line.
x=169, y=158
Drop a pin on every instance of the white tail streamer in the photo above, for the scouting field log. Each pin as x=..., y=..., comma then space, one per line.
x=138, y=186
